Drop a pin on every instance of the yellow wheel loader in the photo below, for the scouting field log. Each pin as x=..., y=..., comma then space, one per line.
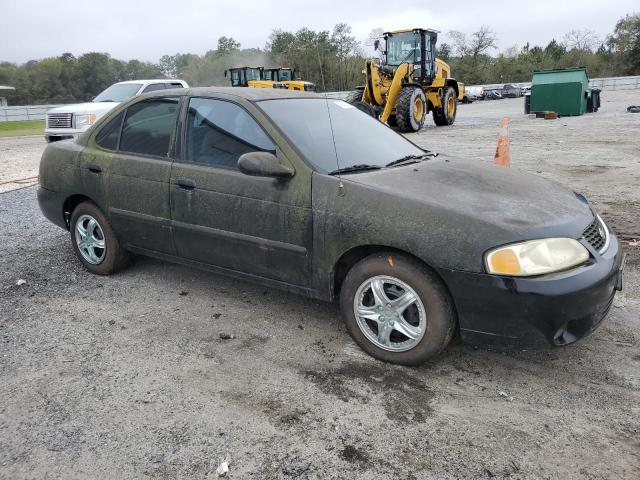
x=408, y=83
x=286, y=75
x=251, y=77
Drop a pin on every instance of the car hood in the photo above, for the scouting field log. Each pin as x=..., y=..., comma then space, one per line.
x=525, y=205
x=89, y=107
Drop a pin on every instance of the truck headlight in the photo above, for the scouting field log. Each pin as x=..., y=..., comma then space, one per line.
x=84, y=120
x=536, y=257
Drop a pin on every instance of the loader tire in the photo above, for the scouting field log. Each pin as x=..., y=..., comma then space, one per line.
x=446, y=114
x=365, y=107
x=411, y=109
x=354, y=96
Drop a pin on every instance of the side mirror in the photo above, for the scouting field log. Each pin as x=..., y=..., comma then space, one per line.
x=376, y=44
x=225, y=73
x=263, y=164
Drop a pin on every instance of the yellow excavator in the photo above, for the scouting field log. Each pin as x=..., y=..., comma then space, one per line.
x=286, y=75
x=408, y=83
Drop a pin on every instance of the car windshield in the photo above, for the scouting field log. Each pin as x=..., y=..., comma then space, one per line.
x=118, y=92
x=359, y=138
x=403, y=47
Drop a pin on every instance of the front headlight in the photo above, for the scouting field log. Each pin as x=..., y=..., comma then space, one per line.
x=536, y=257
x=84, y=120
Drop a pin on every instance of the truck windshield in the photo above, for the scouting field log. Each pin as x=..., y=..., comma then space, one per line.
x=118, y=92
x=403, y=47
x=359, y=138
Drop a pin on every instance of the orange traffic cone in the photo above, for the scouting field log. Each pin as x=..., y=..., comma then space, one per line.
x=502, y=148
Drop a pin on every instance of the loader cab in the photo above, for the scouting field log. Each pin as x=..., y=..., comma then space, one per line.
x=241, y=76
x=278, y=74
x=417, y=46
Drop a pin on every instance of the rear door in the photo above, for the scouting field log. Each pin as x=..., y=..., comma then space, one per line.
x=138, y=176
x=254, y=225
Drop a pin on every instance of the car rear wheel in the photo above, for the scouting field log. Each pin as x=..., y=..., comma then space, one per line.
x=397, y=309
x=94, y=242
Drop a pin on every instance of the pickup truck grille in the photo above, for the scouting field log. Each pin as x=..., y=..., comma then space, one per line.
x=596, y=235
x=59, y=120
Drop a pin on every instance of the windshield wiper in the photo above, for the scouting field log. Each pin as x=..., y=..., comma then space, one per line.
x=108, y=100
x=409, y=159
x=355, y=168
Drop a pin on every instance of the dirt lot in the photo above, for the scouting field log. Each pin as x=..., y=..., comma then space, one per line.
x=126, y=377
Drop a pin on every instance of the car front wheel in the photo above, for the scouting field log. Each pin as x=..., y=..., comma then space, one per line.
x=397, y=309
x=94, y=242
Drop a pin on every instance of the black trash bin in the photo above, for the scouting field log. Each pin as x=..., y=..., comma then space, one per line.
x=593, y=102
x=527, y=103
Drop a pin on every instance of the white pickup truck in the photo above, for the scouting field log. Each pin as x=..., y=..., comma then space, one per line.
x=69, y=121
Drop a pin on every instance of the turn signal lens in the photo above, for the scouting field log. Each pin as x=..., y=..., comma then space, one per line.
x=536, y=257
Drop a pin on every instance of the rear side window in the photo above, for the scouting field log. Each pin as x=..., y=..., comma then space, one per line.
x=153, y=87
x=218, y=132
x=110, y=133
x=148, y=127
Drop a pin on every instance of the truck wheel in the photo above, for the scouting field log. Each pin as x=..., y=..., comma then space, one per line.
x=411, y=109
x=446, y=114
x=396, y=309
x=95, y=242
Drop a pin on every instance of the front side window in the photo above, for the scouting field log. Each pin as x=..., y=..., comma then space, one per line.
x=218, y=132
x=403, y=48
x=110, y=133
x=118, y=92
x=314, y=124
x=148, y=127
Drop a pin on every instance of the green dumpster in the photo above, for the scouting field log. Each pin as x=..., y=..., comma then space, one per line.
x=562, y=91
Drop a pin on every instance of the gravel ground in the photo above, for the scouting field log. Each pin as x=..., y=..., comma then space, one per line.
x=19, y=160
x=127, y=376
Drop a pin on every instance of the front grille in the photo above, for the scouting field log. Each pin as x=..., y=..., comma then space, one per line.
x=59, y=120
x=596, y=234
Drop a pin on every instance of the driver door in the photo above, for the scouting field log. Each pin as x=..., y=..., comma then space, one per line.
x=221, y=217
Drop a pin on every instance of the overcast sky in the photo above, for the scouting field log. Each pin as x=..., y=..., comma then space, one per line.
x=126, y=29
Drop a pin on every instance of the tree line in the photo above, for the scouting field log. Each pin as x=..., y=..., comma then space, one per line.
x=332, y=59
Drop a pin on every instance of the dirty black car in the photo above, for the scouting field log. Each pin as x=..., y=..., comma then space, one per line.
x=308, y=194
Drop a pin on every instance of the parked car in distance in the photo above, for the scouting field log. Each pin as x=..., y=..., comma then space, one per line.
x=308, y=194
x=69, y=121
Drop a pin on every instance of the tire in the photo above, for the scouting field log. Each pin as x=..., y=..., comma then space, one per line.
x=104, y=254
x=366, y=108
x=411, y=109
x=354, y=96
x=446, y=115
x=430, y=319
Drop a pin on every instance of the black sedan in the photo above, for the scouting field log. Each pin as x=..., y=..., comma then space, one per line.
x=308, y=194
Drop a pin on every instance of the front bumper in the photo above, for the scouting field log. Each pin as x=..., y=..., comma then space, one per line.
x=63, y=133
x=558, y=308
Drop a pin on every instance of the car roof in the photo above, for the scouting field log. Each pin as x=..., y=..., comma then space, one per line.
x=248, y=93
x=153, y=80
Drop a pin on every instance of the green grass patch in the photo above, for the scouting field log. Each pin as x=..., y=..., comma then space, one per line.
x=18, y=129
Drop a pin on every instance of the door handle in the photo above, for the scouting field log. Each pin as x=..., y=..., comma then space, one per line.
x=186, y=184
x=94, y=168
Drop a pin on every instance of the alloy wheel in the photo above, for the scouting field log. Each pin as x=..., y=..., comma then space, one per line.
x=390, y=313
x=90, y=239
